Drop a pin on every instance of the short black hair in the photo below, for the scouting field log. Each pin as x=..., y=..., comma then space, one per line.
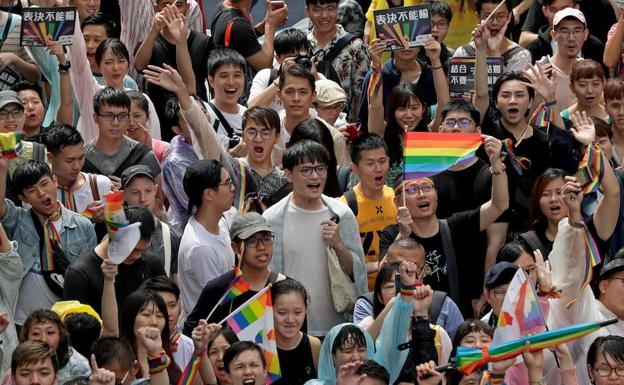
x=142, y=215
x=510, y=76
x=373, y=370
x=172, y=111
x=479, y=4
x=28, y=174
x=140, y=98
x=440, y=8
x=291, y=40
x=366, y=142
x=238, y=348
x=262, y=114
x=59, y=136
x=161, y=283
x=113, y=349
x=225, y=56
x=100, y=18
x=464, y=106
x=201, y=175
x=318, y=2
x=348, y=336
x=510, y=252
x=116, y=47
x=110, y=96
x=28, y=85
x=304, y=151
x=287, y=286
x=612, y=345
x=546, y=3
x=83, y=329
x=297, y=71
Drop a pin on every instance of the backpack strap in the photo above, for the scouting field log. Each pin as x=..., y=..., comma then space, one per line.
x=368, y=297
x=343, y=177
x=166, y=233
x=509, y=53
x=38, y=150
x=224, y=122
x=315, y=348
x=533, y=241
x=274, y=74
x=90, y=168
x=436, y=305
x=351, y=201
x=337, y=48
x=470, y=50
x=95, y=191
x=451, y=259
x=134, y=157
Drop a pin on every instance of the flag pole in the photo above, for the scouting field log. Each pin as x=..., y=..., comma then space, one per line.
x=258, y=294
x=494, y=11
x=227, y=290
x=404, y=175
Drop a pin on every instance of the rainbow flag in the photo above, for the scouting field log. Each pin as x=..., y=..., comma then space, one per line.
x=237, y=287
x=11, y=144
x=469, y=359
x=253, y=321
x=190, y=372
x=430, y=153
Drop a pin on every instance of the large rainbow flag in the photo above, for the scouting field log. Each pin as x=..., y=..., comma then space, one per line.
x=468, y=359
x=253, y=321
x=430, y=153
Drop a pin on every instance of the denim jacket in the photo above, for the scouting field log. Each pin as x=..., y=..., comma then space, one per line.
x=77, y=234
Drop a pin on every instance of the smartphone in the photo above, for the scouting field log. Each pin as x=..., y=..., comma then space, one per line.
x=276, y=4
x=584, y=176
x=352, y=131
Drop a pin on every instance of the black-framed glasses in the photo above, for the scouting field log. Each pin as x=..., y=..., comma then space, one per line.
x=228, y=182
x=264, y=133
x=320, y=170
x=109, y=116
x=462, y=122
x=414, y=189
x=15, y=114
x=266, y=239
x=606, y=370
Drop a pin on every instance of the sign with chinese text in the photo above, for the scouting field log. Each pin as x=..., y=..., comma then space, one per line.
x=55, y=23
x=396, y=25
x=461, y=74
x=8, y=78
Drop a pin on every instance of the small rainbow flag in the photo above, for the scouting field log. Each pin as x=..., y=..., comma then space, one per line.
x=237, y=287
x=430, y=153
x=190, y=372
x=253, y=321
x=469, y=359
x=11, y=144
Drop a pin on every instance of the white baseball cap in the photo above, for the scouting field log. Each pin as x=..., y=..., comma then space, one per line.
x=569, y=12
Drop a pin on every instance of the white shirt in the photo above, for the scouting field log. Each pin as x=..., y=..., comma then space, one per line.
x=84, y=196
x=202, y=257
x=261, y=83
x=234, y=120
x=184, y=353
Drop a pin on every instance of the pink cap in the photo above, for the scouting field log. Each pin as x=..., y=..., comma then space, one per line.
x=569, y=12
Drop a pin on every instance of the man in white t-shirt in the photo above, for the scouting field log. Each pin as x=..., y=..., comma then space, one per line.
x=205, y=249
x=226, y=76
x=78, y=191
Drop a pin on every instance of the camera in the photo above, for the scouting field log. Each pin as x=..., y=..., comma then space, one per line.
x=234, y=141
x=303, y=60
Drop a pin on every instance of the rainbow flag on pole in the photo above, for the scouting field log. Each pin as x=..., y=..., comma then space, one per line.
x=237, y=287
x=253, y=321
x=430, y=153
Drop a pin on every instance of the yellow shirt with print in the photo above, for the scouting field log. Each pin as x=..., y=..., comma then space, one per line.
x=373, y=216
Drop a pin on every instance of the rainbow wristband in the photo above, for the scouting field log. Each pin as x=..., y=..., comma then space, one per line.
x=408, y=290
x=158, y=363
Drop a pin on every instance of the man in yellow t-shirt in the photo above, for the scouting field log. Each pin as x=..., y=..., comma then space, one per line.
x=371, y=200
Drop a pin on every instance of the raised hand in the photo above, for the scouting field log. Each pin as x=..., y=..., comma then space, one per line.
x=404, y=218
x=533, y=360
x=100, y=376
x=176, y=24
x=109, y=270
x=376, y=48
x=276, y=17
x=203, y=334
x=427, y=375
x=433, y=48
x=544, y=279
x=493, y=148
x=346, y=374
x=583, y=128
x=160, y=22
x=55, y=49
x=480, y=36
x=423, y=295
x=149, y=338
x=573, y=196
x=539, y=81
x=407, y=271
x=165, y=77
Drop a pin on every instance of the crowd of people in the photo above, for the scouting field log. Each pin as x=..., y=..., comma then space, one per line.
x=248, y=152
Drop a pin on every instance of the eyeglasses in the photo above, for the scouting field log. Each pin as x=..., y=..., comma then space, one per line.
x=331, y=107
x=605, y=371
x=229, y=182
x=251, y=133
x=462, y=122
x=109, y=116
x=318, y=10
x=15, y=114
x=439, y=24
x=413, y=189
x=500, y=17
x=253, y=242
x=124, y=377
x=577, y=32
x=320, y=170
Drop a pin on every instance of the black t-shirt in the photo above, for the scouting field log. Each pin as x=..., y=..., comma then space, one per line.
x=84, y=280
x=463, y=190
x=297, y=365
x=598, y=13
x=242, y=36
x=464, y=228
x=199, y=47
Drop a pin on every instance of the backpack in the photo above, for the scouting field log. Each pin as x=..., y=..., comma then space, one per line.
x=434, y=309
x=134, y=157
x=324, y=66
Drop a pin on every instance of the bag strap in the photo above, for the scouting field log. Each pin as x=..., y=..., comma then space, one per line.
x=315, y=348
x=38, y=148
x=531, y=239
x=337, y=48
x=95, y=191
x=470, y=51
x=136, y=154
x=89, y=167
x=437, y=301
x=368, y=297
x=343, y=177
x=510, y=52
x=352, y=201
x=451, y=259
x=224, y=122
x=7, y=29
x=166, y=233
x=228, y=34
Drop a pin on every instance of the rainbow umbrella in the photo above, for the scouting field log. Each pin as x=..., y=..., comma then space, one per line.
x=469, y=359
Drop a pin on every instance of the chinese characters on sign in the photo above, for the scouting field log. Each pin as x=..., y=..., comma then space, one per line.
x=41, y=24
x=461, y=74
x=397, y=26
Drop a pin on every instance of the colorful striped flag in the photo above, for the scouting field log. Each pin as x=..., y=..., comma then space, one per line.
x=237, y=287
x=253, y=321
x=11, y=144
x=190, y=372
x=430, y=153
x=469, y=359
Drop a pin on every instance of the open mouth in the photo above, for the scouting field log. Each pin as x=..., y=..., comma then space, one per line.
x=555, y=209
x=262, y=258
x=258, y=150
x=230, y=91
x=315, y=187
x=379, y=180
x=47, y=203
x=424, y=205
x=513, y=112
x=249, y=381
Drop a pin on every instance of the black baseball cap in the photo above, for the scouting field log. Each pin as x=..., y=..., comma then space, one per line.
x=500, y=274
x=138, y=170
x=611, y=268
